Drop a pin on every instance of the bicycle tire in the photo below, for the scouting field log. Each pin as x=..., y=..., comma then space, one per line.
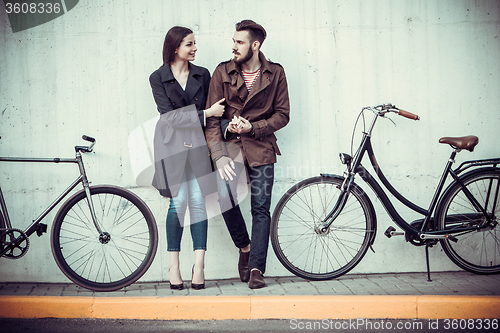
x=475, y=251
x=294, y=229
x=2, y=233
x=92, y=263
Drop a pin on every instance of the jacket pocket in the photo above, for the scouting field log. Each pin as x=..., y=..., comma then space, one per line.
x=275, y=146
x=168, y=134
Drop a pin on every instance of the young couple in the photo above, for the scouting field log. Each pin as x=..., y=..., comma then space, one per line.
x=239, y=108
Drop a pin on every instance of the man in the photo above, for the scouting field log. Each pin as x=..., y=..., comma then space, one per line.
x=257, y=105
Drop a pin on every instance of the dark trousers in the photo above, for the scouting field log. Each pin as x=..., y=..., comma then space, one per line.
x=261, y=185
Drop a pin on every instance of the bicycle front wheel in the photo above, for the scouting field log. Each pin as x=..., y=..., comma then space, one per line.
x=299, y=243
x=476, y=251
x=114, y=259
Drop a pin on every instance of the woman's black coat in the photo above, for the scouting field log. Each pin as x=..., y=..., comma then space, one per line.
x=179, y=136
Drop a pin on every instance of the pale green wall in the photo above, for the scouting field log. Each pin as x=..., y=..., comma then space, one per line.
x=87, y=71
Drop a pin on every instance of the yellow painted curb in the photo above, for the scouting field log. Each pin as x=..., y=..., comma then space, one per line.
x=45, y=307
x=252, y=307
x=333, y=307
x=458, y=307
x=173, y=308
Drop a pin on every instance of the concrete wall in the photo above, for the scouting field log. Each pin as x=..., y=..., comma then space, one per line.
x=87, y=71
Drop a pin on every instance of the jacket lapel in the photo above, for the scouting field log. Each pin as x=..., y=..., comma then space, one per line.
x=173, y=88
x=263, y=80
x=193, y=82
x=236, y=80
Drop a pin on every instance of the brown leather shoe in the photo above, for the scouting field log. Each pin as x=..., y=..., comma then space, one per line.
x=256, y=280
x=243, y=266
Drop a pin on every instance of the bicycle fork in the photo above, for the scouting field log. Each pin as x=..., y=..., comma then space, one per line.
x=104, y=237
x=345, y=190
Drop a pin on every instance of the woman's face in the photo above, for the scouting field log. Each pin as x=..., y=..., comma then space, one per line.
x=187, y=50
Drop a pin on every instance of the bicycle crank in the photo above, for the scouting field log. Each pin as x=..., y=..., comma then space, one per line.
x=14, y=242
x=446, y=236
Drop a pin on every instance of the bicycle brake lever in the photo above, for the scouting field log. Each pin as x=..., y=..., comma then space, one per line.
x=392, y=121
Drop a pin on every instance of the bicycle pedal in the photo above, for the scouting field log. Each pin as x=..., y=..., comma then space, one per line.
x=391, y=231
x=41, y=229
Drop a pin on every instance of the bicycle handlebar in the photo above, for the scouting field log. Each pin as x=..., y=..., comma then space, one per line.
x=407, y=114
x=85, y=149
x=382, y=109
x=88, y=138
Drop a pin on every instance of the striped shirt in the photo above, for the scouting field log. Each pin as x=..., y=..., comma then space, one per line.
x=250, y=78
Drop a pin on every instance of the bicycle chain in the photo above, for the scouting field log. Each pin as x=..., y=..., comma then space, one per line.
x=7, y=231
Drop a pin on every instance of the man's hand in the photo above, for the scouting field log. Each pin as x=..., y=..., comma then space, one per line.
x=225, y=165
x=239, y=125
x=234, y=124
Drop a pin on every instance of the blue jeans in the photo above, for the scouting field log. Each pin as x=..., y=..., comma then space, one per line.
x=261, y=185
x=189, y=193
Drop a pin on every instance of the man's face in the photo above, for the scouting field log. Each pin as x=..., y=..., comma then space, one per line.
x=241, y=47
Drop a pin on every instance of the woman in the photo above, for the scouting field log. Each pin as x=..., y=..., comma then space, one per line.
x=182, y=166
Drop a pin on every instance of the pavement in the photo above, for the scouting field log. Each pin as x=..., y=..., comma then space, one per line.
x=459, y=295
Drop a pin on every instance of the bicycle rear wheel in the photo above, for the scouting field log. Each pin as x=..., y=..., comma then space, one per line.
x=295, y=229
x=2, y=231
x=476, y=251
x=111, y=262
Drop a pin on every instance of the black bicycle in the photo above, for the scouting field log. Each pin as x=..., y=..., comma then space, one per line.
x=103, y=237
x=322, y=227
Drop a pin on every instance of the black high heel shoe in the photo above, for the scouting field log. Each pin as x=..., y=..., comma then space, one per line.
x=177, y=286
x=196, y=286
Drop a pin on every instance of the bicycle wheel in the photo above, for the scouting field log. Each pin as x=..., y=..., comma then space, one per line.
x=104, y=263
x=2, y=221
x=476, y=251
x=295, y=229
x=2, y=232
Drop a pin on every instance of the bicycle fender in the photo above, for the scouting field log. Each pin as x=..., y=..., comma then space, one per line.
x=331, y=175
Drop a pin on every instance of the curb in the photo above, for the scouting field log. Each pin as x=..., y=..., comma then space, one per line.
x=252, y=307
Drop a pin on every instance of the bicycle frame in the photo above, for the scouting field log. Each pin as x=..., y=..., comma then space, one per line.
x=410, y=231
x=34, y=226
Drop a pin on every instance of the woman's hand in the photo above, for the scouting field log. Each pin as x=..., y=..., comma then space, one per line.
x=216, y=110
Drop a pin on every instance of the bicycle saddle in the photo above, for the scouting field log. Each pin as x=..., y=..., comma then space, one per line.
x=464, y=142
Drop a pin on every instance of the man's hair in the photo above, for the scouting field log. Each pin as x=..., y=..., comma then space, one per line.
x=256, y=31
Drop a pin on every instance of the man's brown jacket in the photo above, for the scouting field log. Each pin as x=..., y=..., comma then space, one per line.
x=266, y=106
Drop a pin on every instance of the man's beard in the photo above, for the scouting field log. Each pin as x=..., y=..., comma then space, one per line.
x=243, y=60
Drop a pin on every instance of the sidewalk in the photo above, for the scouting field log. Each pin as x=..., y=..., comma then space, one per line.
x=409, y=295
